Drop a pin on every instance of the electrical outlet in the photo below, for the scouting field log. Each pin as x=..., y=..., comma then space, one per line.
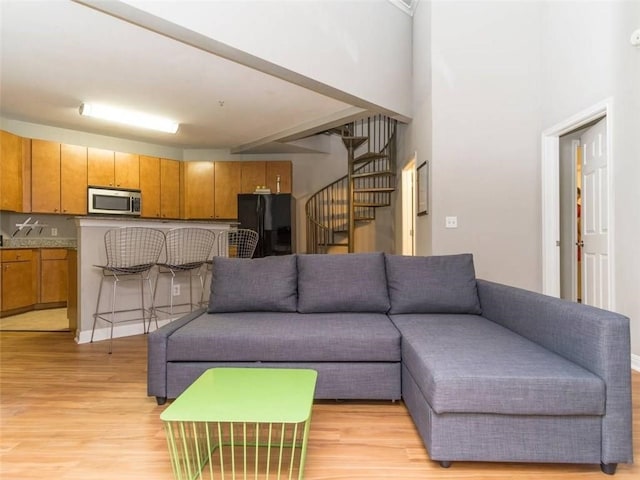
x=451, y=222
x=54, y=232
x=176, y=290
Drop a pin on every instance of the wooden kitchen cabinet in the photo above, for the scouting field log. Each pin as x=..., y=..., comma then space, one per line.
x=58, y=178
x=266, y=174
x=73, y=179
x=169, y=188
x=100, y=167
x=18, y=279
x=12, y=163
x=227, y=182
x=45, y=176
x=253, y=175
x=107, y=168
x=150, y=187
x=53, y=276
x=126, y=170
x=275, y=169
x=198, y=190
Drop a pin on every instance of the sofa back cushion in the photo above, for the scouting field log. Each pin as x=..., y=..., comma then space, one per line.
x=254, y=284
x=354, y=282
x=438, y=284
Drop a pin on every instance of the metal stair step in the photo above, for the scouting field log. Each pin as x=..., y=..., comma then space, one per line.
x=374, y=190
x=368, y=156
x=370, y=204
x=384, y=173
x=353, y=142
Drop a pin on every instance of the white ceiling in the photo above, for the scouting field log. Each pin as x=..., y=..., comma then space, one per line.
x=56, y=55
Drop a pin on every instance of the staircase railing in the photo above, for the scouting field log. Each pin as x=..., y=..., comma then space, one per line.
x=333, y=211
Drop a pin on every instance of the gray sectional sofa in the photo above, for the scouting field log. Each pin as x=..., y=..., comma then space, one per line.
x=488, y=372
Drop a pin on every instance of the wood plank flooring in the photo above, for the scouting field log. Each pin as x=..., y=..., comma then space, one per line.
x=73, y=412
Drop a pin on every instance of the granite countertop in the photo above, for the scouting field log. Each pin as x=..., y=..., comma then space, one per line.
x=23, y=242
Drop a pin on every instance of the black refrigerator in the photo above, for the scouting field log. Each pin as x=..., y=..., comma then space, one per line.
x=273, y=217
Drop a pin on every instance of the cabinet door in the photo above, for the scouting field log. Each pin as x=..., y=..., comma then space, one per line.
x=45, y=176
x=282, y=169
x=73, y=179
x=53, y=275
x=227, y=186
x=169, y=188
x=100, y=167
x=17, y=279
x=253, y=175
x=10, y=172
x=127, y=170
x=198, y=185
x=150, y=186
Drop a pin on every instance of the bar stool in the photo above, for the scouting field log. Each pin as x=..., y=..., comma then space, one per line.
x=187, y=250
x=131, y=254
x=238, y=243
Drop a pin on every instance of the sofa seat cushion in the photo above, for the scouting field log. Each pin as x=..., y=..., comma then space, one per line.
x=468, y=364
x=291, y=337
x=342, y=283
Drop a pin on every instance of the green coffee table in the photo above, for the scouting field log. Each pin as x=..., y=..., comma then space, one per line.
x=241, y=423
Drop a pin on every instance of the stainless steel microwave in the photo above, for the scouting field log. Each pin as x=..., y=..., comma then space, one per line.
x=114, y=201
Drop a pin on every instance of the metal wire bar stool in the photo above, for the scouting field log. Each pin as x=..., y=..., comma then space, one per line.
x=131, y=254
x=239, y=243
x=187, y=250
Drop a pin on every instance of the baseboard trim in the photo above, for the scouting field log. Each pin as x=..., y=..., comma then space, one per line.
x=125, y=330
x=635, y=362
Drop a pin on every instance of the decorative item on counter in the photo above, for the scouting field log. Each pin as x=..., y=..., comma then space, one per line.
x=262, y=189
x=277, y=183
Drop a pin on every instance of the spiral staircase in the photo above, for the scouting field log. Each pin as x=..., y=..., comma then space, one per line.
x=333, y=212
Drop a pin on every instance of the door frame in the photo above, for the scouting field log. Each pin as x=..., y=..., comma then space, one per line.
x=409, y=206
x=550, y=196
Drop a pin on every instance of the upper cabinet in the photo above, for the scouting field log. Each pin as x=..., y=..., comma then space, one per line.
x=253, y=176
x=73, y=179
x=107, y=168
x=227, y=183
x=266, y=174
x=278, y=174
x=198, y=190
x=45, y=176
x=160, y=187
x=58, y=178
x=170, y=181
x=13, y=150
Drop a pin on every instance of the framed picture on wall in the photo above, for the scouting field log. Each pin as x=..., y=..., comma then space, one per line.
x=422, y=181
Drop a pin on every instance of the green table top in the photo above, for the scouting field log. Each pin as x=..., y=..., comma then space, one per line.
x=252, y=395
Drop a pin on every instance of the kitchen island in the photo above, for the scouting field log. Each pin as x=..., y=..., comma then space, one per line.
x=91, y=252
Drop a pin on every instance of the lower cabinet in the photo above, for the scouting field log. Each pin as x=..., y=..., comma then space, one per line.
x=19, y=270
x=33, y=279
x=53, y=276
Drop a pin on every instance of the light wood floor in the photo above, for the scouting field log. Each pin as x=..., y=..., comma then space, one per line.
x=49, y=320
x=73, y=412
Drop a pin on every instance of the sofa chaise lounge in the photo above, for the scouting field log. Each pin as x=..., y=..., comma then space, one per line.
x=487, y=371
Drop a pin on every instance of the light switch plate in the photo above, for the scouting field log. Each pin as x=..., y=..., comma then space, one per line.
x=54, y=232
x=451, y=222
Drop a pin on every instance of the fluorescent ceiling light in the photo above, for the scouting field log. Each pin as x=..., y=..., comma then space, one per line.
x=128, y=117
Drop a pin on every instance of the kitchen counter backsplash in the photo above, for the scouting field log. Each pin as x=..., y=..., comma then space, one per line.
x=24, y=242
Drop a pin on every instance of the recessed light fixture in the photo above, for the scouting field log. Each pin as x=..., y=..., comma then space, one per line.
x=129, y=117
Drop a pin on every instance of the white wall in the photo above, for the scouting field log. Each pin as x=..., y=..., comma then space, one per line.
x=501, y=73
x=484, y=123
x=357, y=47
x=587, y=59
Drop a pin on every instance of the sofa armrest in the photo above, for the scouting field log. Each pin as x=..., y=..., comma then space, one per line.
x=597, y=340
x=157, y=353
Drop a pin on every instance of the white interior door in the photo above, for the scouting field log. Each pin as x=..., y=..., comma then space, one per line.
x=595, y=217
